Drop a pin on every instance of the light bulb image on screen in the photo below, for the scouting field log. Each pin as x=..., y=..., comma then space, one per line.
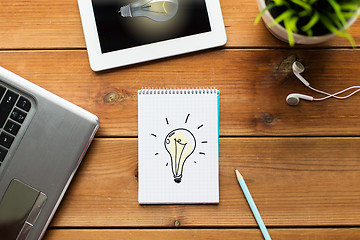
x=180, y=144
x=157, y=10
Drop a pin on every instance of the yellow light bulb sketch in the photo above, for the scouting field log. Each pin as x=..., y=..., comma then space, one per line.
x=180, y=144
x=157, y=10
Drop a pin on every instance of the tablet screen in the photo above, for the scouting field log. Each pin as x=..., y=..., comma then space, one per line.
x=123, y=24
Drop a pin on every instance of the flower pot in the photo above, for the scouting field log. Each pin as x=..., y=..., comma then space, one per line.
x=280, y=32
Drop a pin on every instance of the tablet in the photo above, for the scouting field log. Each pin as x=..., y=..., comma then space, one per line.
x=123, y=32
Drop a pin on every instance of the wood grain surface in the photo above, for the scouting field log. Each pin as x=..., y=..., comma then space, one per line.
x=294, y=182
x=204, y=234
x=300, y=163
x=253, y=86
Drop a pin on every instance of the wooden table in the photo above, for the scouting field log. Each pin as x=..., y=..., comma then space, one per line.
x=302, y=164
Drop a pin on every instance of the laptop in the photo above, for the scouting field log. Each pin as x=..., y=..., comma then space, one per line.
x=43, y=139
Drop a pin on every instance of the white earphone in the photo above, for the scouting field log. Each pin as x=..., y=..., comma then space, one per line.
x=294, y=98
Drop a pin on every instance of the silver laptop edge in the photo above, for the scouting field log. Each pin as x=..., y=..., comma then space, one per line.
x=49, y=148
x=67, y=185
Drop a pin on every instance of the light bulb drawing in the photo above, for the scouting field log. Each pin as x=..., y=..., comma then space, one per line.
x=180, y=144
x=157, y=10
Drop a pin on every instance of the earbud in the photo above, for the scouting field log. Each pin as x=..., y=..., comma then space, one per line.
x=297, y=69
x=294, y=98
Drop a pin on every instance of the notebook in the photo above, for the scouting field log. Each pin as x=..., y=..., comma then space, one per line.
x=178, y=146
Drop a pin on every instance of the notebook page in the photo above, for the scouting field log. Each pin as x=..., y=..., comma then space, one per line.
x=178, y=147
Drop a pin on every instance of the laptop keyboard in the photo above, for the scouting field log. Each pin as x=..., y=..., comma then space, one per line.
x=13, y=111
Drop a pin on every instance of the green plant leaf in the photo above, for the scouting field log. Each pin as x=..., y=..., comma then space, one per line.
x=313, y=20
x=311, y=2
x=327, y=23
x=303, y=4
x=333, y=18
x=338, y=12
x=309, y=33
x=349, y=15
x=289, y=32
x=349, y=7
x=285, y=15
x=293, y=24
x=271, y=5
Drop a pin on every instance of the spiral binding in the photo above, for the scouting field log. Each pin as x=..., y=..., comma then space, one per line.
x=149, y=91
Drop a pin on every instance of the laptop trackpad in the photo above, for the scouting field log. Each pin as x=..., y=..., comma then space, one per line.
x=19, y=209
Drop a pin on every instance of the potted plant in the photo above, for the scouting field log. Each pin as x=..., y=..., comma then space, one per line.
x=308, y=21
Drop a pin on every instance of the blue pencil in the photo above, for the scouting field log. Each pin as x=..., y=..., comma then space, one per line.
x=252, y=205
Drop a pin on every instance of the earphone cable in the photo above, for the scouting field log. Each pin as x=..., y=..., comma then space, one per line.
x=335, y=94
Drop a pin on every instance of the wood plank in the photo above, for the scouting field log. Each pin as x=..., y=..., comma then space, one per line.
x=42, y=24
x=204, y=234
x=253, y=85
x=294, y=182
